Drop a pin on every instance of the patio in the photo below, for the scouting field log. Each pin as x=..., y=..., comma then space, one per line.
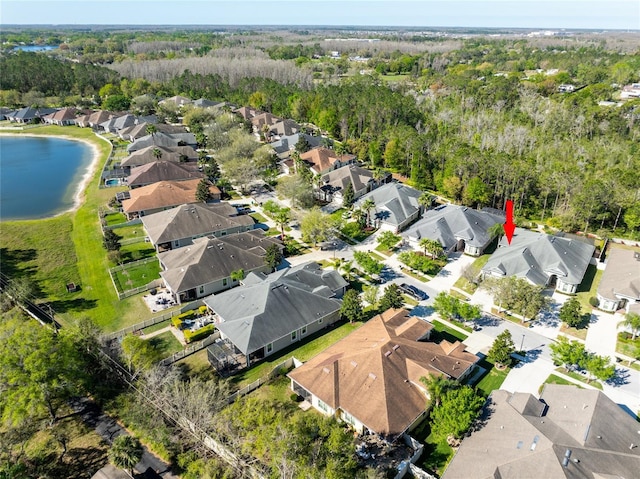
x=161, y=300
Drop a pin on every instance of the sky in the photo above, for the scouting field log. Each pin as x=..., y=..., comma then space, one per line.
x=550, y=14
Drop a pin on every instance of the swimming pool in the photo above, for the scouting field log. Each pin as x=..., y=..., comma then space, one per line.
x=113, y=182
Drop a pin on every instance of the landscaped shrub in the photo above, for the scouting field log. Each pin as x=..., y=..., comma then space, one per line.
x=419, y=262
x=593, y=301
x=190, y=336
x=191, y=314
x=202, y=310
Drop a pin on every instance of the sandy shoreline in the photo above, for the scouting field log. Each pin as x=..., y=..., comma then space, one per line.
x=78, y=196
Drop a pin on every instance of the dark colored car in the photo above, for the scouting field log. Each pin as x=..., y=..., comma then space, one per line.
x=414, y=292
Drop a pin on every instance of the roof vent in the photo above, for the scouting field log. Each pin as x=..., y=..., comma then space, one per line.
x=373, y=376
x=325, y=370
x=354, y=364
x=395, y=347
x=387, y=354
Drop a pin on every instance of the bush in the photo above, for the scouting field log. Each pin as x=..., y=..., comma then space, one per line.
x=294, y=397
x=202, y=310
x=190, y=336
x=593, y=301
x=177, y=322
x=419, y=262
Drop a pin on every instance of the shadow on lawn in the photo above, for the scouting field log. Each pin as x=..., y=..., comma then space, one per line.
x=75, y=305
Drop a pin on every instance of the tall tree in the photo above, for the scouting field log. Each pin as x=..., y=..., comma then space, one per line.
x=273, y=256
x=391, y=298
x=282, y=217
x=316, y=226
x=500, y=352
x=366, y=206
x=433, y=247
x=202, y=191
x=348, y=196
x=456, y=413
x=571, y=312
x=351, y=308
x=111, y=240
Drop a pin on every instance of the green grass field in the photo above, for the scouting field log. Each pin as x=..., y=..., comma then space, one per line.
x=627, y=346
x=448, y=333
x=589, y=287
x=492, y=380
x=55, y=251
x=114, y=219
x=165, y=344
x=131, y=232
x=137, y=275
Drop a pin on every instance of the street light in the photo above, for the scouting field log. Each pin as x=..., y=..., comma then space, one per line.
x=334, y=249
x=522, y=343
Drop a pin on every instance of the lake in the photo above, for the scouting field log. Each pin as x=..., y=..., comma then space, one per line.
x=35, y=48
x=39, y=177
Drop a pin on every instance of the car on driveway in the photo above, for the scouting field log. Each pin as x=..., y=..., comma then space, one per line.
x=414, y=292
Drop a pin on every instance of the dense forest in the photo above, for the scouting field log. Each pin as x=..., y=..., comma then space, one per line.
x=474, y=118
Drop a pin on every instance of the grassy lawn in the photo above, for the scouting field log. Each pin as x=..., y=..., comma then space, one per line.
x=315, y=344
x=137, y=251
x=138, y=275
x=156, y=327
x=555, y=379
x=508, y=317
x=115, y=218
x=445, y=332
x=354, y=231
x=417, y=276
x=579, y=377
x=436, y=454
x=589, y=286
x=131, y=232
x=166, y=344
x=493, y=379
x=377, y=256
x=580, y=332
x=258, y=217
x=458, y=294
x=66, y=248
x=409, y=300
x=626, y=346
x=197, y=365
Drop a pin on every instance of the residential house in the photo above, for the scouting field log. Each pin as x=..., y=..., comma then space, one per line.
x=270, y=312
x=568, y=433
x=630, y=91
x=262, y=124
x=179, y=226
x=247, y=113
x=204, y=103
x=95, y=119
x=4, y=111
x=322, y=160
x=335, y=182
x=456, y=228
x=205, y=267
x=151, y=154
x=541, y=259
x=162, y=196
x=620, y=283
x=138, y=131
x=28, y=114
x=287, y=144
x=371, y=378
x=163, y=139
x=176, y=100
x=282, y=129
x=162, y=171
x=62, y=117
x=117, y=123
x=396, y=206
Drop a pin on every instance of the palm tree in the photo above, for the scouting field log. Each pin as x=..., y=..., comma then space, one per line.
x=157, y=153
x=125, y=452
x=497, y=230
x=151, y=129
x=237, y=275
x=367, y=206
x=347, y=268
x=433, y=247
x=426, y=200
x=358, y=215
x=632, y=321
x=437, y=386
x=282, y=218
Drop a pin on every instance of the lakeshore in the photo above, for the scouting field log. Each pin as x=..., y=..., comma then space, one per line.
x=66, y=248
x=82, y=184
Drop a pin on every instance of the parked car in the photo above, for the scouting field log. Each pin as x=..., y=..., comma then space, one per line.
x=414, y=292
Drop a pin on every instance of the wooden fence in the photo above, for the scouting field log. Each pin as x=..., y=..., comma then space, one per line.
x=190, y=349
x=156, y=283
x=286, y=364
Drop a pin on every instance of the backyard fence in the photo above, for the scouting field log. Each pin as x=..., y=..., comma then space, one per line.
x=286, y=364
x=190, y=349
x=405, y=466
x=155, y=320
x=120, y=291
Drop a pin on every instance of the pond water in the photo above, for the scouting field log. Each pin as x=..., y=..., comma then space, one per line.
x=39, y=177
x=35, y=48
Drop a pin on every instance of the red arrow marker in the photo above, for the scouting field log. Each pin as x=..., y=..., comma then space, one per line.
x=509, y=226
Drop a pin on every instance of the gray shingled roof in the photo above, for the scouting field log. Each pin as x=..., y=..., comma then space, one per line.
x=265, y=309
x=621, y=276
x=192, y=220
x=450, y=223
x=516, y=443
x=340, y=178
x=395, y=202
x=286, y=143
x=162, y=139
x=537, y=256
x=212, y=259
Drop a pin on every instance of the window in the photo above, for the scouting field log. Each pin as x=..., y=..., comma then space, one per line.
x=348, y=418
x=294, y=335
x=320, y=321
x=269, y=348
x=303, y=331
x=224, y=281
x=224, y=233
x=322, y=406
x=201, y=289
